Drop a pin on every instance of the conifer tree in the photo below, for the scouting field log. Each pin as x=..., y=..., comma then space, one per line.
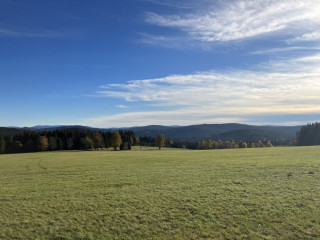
x=30, y=146
x=17, y=146
x=69, y=143
x=2, y=145
x=53, y=143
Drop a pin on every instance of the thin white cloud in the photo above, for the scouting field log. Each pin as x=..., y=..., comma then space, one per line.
x=40, y=34
x=174, y=4
x=191, y=116
x=307, y=37
x=292, y=87
x=168, y=118
x=237, y=20
x=121, y=106
x=285, y=49
x=6, y=32
x=173, y=42
x=164, y=41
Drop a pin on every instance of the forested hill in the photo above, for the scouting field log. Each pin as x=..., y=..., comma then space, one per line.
x=67, y=127
x=8, y=131
x=231, y=131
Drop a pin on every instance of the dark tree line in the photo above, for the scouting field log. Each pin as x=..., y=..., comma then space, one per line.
x=29, y=141
x=309, y=135
x=33, y=141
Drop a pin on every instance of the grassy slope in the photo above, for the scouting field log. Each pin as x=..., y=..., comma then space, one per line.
x=217, y=194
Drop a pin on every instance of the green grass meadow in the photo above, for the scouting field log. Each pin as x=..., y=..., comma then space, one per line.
x=265, y=193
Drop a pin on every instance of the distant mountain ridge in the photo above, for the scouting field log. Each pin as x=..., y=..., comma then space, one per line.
x=229, y=131
x=61, y=127
x=9, y=131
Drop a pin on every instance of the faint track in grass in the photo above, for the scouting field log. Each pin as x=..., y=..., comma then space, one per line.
x=27, y=166
x=41, y=166
x=36, y=161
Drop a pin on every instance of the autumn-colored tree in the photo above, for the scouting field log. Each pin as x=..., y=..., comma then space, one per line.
x=43, y=143
x=98, y=141
x=269, y=144
x=169, y=142
x=115, y=140
x=260, y=144
x=215, y=144
x=244, y=145
x=227, y=144
x=159, y=141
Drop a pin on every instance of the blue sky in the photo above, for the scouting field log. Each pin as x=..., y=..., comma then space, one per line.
x=121, y=63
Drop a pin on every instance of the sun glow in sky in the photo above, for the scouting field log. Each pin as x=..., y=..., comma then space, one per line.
x=121, y=63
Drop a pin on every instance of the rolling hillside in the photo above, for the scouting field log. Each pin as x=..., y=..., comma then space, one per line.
x=230, y=131
x=10, y=131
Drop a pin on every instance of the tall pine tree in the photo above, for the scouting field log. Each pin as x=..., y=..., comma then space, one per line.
x=2, y=145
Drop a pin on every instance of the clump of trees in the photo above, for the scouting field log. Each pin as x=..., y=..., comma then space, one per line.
x=160, y=141
x=32, y=141
x=309, y=135
x=232, y=144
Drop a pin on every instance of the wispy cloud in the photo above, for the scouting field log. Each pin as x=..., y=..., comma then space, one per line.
x=6, y=32
x=174, y=4
x=307, y=37
x=121, y=106
x=286, y=49
x=237, y=20
x=160, y=40
x=39, y=34
x=292, y=87
x=173, y=42
x=181, y=117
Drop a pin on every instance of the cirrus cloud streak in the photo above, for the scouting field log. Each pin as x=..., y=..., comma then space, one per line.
x=237, y=20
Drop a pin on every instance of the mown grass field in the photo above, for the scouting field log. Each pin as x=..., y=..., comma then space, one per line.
x=270, y=193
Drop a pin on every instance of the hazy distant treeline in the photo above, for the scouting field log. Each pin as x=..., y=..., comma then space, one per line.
x=206, y=144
